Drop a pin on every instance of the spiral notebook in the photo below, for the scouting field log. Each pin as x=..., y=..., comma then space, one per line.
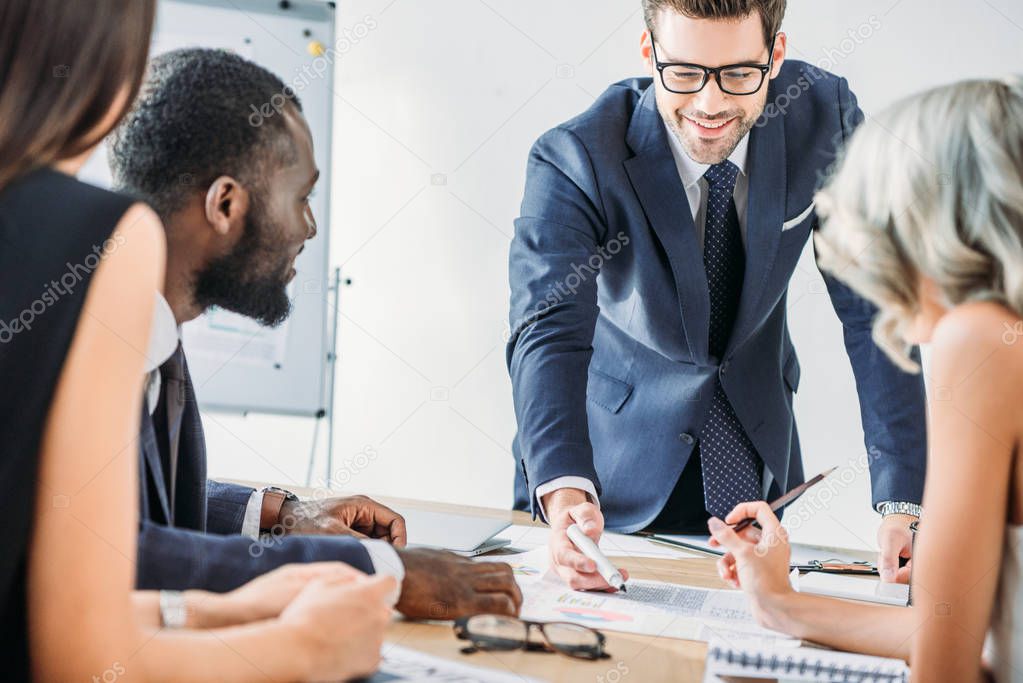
x=736, y=661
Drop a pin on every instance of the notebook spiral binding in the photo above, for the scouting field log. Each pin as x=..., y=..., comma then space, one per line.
x=806, y=665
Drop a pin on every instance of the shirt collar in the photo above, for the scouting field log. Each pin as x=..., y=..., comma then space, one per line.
x=164, y=335
x=691, y=171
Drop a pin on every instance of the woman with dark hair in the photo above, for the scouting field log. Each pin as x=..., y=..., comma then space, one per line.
x=79, y=268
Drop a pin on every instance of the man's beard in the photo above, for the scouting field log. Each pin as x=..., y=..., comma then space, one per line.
x=698, y=150
x=240, y=281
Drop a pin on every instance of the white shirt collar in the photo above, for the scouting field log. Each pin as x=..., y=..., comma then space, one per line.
x=691, y=171
x=163, y=336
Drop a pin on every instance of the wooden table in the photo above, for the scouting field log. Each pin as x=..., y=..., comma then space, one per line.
x=634, y=658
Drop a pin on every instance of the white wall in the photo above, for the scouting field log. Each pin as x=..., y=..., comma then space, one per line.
x=437, y=105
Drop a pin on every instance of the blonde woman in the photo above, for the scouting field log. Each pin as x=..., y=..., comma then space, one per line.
x=925, y=219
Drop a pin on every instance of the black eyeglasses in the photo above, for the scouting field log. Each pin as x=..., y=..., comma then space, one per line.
x=734, y=79
x=496, y=632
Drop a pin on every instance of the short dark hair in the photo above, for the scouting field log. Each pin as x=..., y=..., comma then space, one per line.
x=63, y=65
x=201, y=114
x=771, y=11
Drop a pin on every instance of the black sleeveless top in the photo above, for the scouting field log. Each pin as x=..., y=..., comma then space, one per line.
x=53, y=231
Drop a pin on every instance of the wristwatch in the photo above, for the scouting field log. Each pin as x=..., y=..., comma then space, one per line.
x=895, y=508
x=173, y=610
x=273, y=501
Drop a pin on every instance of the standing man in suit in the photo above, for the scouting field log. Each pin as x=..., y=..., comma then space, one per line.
x=650, y=358
x=234, y=199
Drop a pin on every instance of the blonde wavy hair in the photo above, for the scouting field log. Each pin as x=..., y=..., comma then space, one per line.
x=933, y=187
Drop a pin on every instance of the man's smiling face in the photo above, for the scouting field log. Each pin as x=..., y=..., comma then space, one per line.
x=710, y=123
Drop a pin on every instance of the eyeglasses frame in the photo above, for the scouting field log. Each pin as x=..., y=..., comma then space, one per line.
x=708, y=71
x=462, y=633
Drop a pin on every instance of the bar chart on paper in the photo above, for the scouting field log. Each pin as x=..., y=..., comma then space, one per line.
x=649, y=607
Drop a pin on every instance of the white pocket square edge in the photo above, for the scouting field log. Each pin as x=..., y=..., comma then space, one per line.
x=798, y=219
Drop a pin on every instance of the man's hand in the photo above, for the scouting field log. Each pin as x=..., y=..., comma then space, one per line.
x=357, y=516
x=564, y=508
x=442, y=585
x=895, y=540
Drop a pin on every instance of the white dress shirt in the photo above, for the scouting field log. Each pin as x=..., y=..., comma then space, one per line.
x=691, y=174
x=164, y=338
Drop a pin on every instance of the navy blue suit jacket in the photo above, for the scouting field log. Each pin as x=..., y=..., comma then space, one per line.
x=608, y=354
x=197, y=542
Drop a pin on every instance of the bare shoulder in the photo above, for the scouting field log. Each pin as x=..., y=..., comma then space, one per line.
x=131, y=270
x=141, y=230
x=133, y=257
x=980, y=343
x=986, y=324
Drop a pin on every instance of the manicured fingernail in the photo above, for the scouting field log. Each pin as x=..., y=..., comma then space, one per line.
x=887, y=574
x=715, y=524
x=589, y=524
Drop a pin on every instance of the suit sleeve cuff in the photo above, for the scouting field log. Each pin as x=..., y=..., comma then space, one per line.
x=386, y=563
x=250, y=523
x=564, y=483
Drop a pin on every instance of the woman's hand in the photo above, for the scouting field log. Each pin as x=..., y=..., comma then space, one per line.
x=266, y=596
x=337, y=625
x=755, y=560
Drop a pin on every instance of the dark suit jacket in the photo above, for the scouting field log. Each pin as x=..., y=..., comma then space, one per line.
x=608, y=356
x=199, y=545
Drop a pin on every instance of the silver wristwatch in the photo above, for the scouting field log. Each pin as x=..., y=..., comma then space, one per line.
x=173, y=610
x=896, y=508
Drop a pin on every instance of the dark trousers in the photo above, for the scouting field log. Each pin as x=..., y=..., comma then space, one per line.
x=685, y=512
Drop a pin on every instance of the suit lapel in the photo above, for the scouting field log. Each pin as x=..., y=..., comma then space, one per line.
x=765, y=213
x=151, y=463
x=190, y=505
x=655, y=179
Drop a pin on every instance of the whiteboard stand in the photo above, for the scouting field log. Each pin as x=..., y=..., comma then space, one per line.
x=335, y=287
x=331, y=366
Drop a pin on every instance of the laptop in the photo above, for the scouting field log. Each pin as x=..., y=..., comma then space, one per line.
x=462, y=534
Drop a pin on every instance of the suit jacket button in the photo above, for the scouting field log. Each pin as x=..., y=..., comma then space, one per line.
x=687, y=438
x=724, y=367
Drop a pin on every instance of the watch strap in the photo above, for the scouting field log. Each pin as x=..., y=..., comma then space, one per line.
x=270, y=511
x=899, y=508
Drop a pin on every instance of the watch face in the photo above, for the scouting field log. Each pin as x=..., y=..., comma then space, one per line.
x=288, y=495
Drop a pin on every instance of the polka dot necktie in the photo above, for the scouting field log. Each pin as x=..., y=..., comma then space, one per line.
x=730, y=463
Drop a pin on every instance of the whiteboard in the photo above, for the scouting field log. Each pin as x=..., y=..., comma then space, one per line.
x=236, y=365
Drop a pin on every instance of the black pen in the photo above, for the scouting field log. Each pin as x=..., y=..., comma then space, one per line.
x=784, y=500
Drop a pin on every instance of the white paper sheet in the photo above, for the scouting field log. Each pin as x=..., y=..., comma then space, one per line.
x=400, y=664
x=647, y=607
x=650, y=608
x=529, y=566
